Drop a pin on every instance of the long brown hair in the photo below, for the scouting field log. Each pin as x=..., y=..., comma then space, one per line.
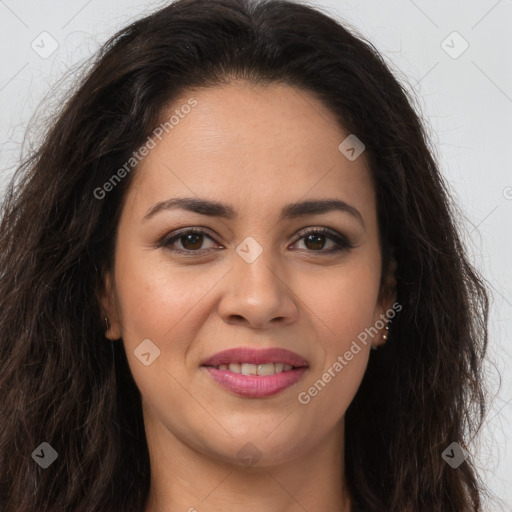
x=63, y=383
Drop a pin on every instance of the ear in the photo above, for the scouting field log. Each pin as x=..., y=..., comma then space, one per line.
x=387, y=298
x=108, y=305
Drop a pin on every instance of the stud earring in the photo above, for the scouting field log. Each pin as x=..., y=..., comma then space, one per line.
x=385, y=335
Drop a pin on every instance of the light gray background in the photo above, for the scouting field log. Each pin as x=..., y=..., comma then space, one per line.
x=466, y=102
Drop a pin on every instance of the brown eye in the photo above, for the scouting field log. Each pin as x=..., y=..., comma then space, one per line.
x=191, y=241
x=316, y=239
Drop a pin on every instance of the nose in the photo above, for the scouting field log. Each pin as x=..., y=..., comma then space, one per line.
x=258, y=294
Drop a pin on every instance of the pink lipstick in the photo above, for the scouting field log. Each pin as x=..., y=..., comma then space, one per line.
x=256, y=373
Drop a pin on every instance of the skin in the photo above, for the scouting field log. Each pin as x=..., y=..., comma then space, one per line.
x=257, y=148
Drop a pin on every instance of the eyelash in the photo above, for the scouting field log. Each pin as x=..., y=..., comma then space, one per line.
x=342, y=243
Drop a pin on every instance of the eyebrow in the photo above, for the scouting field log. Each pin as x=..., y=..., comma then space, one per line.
x=217, y=209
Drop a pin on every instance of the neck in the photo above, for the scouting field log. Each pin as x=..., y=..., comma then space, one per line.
x=186, y=479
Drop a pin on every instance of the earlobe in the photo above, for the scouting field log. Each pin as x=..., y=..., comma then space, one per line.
x=107, y=301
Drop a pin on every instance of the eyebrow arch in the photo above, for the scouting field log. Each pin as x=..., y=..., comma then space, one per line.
x=216, y=209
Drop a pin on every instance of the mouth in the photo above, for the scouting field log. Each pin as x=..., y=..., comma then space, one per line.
x=256, y=373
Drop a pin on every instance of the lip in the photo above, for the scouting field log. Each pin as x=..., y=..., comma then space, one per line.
x=256, y=386
x=250, y=355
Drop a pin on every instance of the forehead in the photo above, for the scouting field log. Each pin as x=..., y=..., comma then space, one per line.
x=255, y=143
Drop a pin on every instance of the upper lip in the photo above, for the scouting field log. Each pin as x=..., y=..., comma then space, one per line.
x=250, y=355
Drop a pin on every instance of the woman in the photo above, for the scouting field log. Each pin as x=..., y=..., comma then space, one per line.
x=236, y=205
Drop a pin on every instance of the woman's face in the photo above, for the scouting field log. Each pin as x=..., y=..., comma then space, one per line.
x=257, y=278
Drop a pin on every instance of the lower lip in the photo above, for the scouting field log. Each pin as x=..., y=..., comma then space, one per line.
x=255, y=386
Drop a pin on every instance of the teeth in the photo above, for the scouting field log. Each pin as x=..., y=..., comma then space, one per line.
x=249, y=369
x=266, y=369
x=256, y=369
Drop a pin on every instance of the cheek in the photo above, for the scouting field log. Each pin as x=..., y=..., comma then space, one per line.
x=346, y=298
x=161, y=301
x=346, y=309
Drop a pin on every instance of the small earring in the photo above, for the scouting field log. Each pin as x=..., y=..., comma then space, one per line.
x=106, y=322
x=385, y=335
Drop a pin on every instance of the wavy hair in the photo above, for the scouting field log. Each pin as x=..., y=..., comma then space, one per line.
x=63, y=383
